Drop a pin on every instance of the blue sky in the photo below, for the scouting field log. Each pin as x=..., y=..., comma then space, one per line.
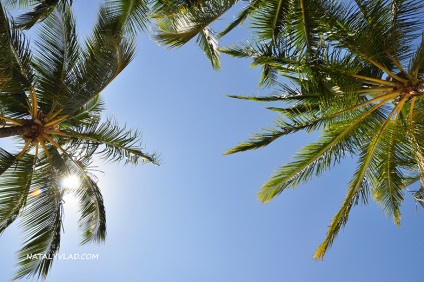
x=196, y=217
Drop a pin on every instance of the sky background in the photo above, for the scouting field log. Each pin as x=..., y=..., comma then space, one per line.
x=195, y=218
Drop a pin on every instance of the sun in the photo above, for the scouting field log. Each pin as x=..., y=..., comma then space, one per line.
x=71, y=182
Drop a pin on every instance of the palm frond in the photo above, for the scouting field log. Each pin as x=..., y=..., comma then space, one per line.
x=42, y=223
x=359, y=185
x=88, y=115
x=40, y=12
x=269, y=21
x=16, y=74
x=56, y=57
x=15, y=185
x=108, y=51
x=318, y=157
x=389, y=28
x=93, y=215
x=132, y=15
x=92, y=222
x=18, y=3
x=120, y=144
x=177, y=29
x=416, y=65
x=388, y=181
x=208, y=42
x=253, y=6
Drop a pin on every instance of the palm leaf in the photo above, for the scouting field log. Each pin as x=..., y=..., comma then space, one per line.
x=359, y=183
x=132, y=14
x=120, y=144
x=93, y=215
x=249, y=10
x=15, y=63
x=39, y=13
x=177, y=29
x=42, y=223
x=56, y=58
x=108, y=51
x=388, y=180
x=318, y=157
x=15, y=185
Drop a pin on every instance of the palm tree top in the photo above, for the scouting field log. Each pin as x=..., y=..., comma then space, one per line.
x=360, y=82
x=50, y=103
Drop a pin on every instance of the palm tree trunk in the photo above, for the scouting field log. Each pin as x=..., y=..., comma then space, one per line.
x=14, y=130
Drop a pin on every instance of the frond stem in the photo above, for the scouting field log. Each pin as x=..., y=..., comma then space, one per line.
x=27, y=142
x=45, y=150
x=11, y=120
x=399, y=66
x=379, y=81
x=56, y=121
x=378, y=65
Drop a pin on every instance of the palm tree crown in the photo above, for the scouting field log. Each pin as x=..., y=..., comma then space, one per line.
x=357, y=75
x=356, y=68
x=50, y=104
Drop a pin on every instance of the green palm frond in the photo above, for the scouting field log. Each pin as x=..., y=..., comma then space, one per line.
x=416, y=65
x=108, y=51
x=359, y=185
x=42, y=223
x=390, y=27
x=295, y=21
x=16, y=73
x=15, y=185
x=284, y=94
x=6, y=160
x=92, y=222
x=304, y=22
x=270, y=21
x=40, y=12
x=88, y=115
x=56, y=57
x=208, y=42
x=388, y=181
x=120, y=144
x=15, y=63
x=19, y=3
x=175, y=30
x=249, y=10
x=319, y=157
x=93, y=215
x=132, y=14
x=415, y=124
x=275, y=58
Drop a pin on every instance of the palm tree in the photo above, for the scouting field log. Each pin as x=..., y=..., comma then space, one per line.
x=50, y=105
x=361, y=86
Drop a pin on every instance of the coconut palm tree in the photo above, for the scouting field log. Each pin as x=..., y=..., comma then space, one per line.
x=362, y=88
x=50, y=106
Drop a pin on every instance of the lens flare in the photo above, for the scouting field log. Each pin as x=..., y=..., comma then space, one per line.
x=37, y=192
x=71, y=181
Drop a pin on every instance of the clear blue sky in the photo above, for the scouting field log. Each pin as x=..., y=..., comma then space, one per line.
x=196, y=218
